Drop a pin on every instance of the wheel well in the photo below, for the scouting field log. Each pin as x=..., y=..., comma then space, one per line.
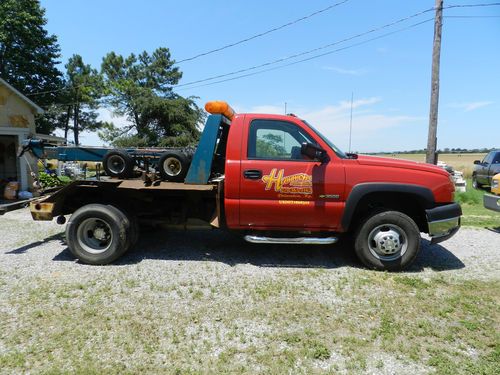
x=407, y=203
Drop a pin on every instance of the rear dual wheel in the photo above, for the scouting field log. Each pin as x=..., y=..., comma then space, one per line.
x=100, y=234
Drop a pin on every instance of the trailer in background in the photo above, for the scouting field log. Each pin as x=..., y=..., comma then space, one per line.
x=171, y=164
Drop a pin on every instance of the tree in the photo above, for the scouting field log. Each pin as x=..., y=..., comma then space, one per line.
x=270, y=145
x=29, y=55
x=83, y=88
x=141, y=87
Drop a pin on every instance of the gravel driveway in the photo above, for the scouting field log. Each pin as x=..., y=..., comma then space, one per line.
x=207, y=302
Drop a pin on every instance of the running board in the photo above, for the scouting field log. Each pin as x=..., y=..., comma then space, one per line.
x=293, y=240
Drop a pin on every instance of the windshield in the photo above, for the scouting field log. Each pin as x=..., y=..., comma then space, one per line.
x=335, y=149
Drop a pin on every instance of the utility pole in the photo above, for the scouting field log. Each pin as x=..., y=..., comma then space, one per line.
x=285, y=108
x=350, y=122
x=431, y=156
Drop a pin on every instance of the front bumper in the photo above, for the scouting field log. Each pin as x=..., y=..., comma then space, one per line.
x=443, y=221
x=492, y=202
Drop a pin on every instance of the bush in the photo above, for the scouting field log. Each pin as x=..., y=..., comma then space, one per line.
x=48, y=180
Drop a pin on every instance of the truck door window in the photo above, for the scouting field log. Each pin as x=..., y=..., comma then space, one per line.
x=496, y=158
x=488, y=158
x=276, y=140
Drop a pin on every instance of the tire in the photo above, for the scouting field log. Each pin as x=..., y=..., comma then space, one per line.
x=387, y=241
x=173, y=166
x=134, y=229
x=118, y=163
x=112, y=240
x=475, y=184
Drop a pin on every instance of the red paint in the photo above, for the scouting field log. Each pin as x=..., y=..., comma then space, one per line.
x=306, y=194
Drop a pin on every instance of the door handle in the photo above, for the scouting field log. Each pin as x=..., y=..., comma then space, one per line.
x=252, y=174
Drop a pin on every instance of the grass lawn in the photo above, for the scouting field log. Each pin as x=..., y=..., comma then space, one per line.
x=474, y=213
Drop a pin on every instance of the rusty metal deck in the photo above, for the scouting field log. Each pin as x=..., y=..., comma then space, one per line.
x=161, y=185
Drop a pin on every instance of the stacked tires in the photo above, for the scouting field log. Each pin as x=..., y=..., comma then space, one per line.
x=172, y=165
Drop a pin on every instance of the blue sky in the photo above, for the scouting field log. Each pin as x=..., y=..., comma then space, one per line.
x=390, y=76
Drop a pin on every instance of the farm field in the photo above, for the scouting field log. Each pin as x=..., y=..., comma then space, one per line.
x=460, y=162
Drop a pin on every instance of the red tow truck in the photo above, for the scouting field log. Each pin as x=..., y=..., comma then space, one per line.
x=274, y=179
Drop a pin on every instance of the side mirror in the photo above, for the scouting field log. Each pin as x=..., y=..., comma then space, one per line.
x=314, y=152
x=477, y=161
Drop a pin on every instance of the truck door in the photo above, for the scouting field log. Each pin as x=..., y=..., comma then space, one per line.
x=283, y=189
x=483, y=170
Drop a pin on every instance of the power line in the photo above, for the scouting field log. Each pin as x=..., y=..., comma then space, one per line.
x=296, y=55
x=470, y=5
x=263, y=33
x=312, y=57
x=51, y=91
x=308, y=51
x=471, y=16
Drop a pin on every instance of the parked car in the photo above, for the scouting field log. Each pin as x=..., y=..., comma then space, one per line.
x=485, y=170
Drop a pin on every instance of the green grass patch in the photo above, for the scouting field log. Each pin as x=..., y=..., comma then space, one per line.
x=474, y=213
x=278, y=322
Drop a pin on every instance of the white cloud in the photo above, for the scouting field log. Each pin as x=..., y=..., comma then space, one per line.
x=334, y=121
x=470, y=106
x=351, y=72
x=91, y=138
x=107, y=115
x=271, y=109
x=372, y=129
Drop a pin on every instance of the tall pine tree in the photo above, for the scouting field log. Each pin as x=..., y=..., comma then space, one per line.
x=141, y=87
x=84, y=88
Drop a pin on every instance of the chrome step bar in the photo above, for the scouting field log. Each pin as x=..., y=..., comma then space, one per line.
x=293, y=240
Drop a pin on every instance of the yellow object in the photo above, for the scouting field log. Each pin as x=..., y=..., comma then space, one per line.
x=220, y=107
x=495, y=184
x=42, y=211
x=19, y=121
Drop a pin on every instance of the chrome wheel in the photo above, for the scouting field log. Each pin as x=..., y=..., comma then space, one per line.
x=116, y=164
x=387, y=242
x=94, y=235
x=172, y=166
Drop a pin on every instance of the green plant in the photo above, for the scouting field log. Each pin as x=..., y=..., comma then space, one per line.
x=51, y=180
x=471, y=196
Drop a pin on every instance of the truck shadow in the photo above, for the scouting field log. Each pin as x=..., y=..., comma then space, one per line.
x=25, y=248
x=231, y=249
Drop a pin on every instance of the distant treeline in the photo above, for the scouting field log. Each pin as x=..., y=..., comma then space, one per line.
x=440, y=151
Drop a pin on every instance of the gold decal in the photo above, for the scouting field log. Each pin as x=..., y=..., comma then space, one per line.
x=299, y=183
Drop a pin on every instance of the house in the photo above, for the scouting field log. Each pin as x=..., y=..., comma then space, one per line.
x=17, y=122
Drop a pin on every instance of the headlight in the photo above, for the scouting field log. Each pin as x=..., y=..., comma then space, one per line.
x=494, y=184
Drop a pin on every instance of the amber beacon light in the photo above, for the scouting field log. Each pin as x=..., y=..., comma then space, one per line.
x=220, y=108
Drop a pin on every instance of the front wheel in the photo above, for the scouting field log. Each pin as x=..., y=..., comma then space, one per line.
x=387, y=241
x=98, y=234
x=475, y=184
